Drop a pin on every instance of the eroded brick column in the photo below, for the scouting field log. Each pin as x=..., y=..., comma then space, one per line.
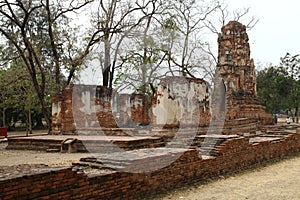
x=237, y=71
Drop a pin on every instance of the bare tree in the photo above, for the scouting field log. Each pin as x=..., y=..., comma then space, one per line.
x=224, y=15
x=143, y=63
x=188, y=18
x=114, y=21
x=33, y=29
x=169, y=43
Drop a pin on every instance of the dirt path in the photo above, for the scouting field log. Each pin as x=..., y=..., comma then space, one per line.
x=279, y=181
x=16, y=157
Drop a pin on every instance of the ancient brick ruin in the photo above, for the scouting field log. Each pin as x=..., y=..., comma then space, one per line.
x=88, y=106
x=178, y=101
x=237, y=72
x=89, y=179
x=181, y=102
x=187, y=135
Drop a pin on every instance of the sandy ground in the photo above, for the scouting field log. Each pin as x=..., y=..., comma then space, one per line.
x=14, y=157
x=277, y=181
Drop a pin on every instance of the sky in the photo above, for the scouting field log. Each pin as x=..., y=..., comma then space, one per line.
x=277, y=31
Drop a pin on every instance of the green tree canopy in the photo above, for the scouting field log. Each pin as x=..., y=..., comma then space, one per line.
x=290, y=65
x=278, y=87
x=272, y=89
x=38, y=35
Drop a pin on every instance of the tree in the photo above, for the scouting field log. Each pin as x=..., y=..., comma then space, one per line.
x=114, y=21
x=169, y=41
x=278, y=87
x=36, y=31
x=18, y=100
x=272, y=89
x=188, y=20
x=166, y=42
x=290, y=64
x=140, y=67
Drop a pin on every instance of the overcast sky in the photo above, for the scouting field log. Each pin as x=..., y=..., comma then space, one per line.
x=278, y=29
x=276, y=33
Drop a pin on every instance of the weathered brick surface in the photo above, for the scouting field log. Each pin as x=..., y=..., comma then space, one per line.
x=233, y=155
x=181, y=102
x=237, y=74
x=85, y=144
x=87, y=106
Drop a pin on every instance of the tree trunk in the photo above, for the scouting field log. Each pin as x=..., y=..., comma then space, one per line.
x=296, y=114
x=106, y=70
x=106, y=77
x=40, y=91
x=111, y=77
x=39, y=122
x=29, y=121
x=47, y=117
x=53, y=46
x=45, y=110
x=3, y=117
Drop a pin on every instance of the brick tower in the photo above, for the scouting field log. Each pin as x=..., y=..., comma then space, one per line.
x=237, y=75
x=234, y=63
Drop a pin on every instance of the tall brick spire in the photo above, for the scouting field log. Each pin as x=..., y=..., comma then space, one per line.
x=234, y=63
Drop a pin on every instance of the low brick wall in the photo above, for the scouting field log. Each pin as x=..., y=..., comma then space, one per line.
x=232, y=156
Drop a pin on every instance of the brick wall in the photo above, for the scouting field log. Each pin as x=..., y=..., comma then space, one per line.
x=84, y=106
x=62, y=112
x=181, y=101
x=232, y=156
x=133, y=108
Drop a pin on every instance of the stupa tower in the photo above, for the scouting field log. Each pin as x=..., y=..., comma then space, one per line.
x=234, y=63
x=235, y=86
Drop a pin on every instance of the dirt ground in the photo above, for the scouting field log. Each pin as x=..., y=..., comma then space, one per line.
x=16, y=157
x=277, y=181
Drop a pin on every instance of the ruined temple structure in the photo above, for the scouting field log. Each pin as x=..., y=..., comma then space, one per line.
x=179, y=101
x=194, y=135
x=97, y=107
x=237, y=77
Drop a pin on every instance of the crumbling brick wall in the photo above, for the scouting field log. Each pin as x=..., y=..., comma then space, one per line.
x=132, y=110
x=62, y=112
x=233, y=155
x=181, y=102
x=85, y=106
x=140, y=109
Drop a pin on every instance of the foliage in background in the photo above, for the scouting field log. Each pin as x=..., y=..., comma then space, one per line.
x=38, y=35
x=18, y=99
x=278, y=88
x=290, y=64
